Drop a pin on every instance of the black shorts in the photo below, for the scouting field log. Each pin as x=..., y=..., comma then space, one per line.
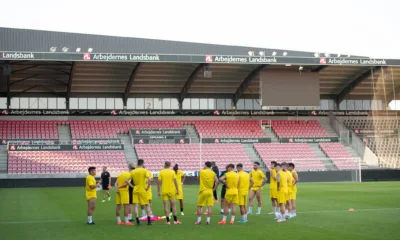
x=105, y=187
x=130, y=195
x=223, y=191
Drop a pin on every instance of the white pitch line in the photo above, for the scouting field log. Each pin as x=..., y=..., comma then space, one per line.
x=322, y=211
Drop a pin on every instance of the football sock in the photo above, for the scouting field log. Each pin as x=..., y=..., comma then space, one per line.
x=250, y=209
x=171, y=210
x=148, y=219
x=137, y=220
x=167, y=219
x=259, y=209
x=130, y=216
x=245, y=217
x=224, y=218
x=126, y=219
x=181, y=209
x=208, y=219
x=118, y=219
x=175, y=218
x=143, y=213
x=229, y=211
x=89, y=219
x=232, y=218
x=199, y=219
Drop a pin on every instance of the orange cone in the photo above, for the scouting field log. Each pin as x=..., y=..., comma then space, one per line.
x=351, y=210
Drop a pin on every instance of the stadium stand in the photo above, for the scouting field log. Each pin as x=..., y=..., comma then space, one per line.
x=298, y=128
x=228, y=128
x=21, y=162
x=188, y=155
x=299, y=153
x=339, y=155
x=21, y=129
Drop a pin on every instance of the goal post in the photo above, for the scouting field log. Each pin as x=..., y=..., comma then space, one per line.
x=332, y=169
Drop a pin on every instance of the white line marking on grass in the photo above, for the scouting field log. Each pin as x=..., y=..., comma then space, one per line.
x=321, y=211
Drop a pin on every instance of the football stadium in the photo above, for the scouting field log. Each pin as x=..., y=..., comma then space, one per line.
x=92, y=115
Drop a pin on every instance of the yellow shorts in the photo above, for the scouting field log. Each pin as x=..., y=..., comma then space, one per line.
x=232, y=198
x=122, y=197
x=180, y=195
x=168, y=196
x=289, y=195
x=242, y=199
x=205, y=198
x=149, y=195
x=255, y=189
x=294, y=195
x=90, y=195
x=273, y=193
x=140, y=197
x=282, y=197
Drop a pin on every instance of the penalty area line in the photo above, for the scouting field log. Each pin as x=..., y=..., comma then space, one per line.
x=307, y=212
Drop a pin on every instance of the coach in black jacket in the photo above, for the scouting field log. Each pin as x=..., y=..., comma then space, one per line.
x=216, y=170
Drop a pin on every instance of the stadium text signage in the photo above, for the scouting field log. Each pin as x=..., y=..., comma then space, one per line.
x=216, y=113
x=158, y=132
x=96, y=141
x=30, y=141
x=58, y=142
x=309, y=140
x=236, y=140
x=153, y=57
x=376, y=131
x=187, y=173
x=141, y=141
x=12, y=147
x=182, y=140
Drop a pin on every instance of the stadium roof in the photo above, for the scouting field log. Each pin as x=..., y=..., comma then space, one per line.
x=43, y=63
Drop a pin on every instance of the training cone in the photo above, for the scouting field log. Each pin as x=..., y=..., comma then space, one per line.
x=351, y=210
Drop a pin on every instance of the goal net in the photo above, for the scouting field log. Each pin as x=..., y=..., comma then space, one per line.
x=330, y=169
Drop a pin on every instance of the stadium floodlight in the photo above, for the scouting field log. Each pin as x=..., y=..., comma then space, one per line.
x=327, y=55
x=65, y=49
x=90, y=50
x=349, y=55
x=274, y=53
x=78, y=49
x=284, y=54
x=251, y=53
x=338, y=55
x=53, y=49
x=301, y=68
x=316, y=54
x=262, y=53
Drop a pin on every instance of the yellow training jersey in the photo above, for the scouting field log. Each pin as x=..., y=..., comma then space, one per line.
x=179, y=175
x=232, y=179
x=273, y=184
x=167, y=177
x=294, y=186
x=121, y=180
x=244, y=182
x=257, y=176
x=149, y=175
x=139, y=177
x=90, y=181
x=207, y=178
x=283, y=184
x=290, y=177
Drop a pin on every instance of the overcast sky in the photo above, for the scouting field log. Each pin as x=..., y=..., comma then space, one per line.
x=357, y=27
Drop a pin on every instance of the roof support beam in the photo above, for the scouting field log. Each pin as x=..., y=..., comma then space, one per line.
x=189, y=83
x=7, y=75
x=130, y=82
x=354, y=83
x=246, y=82
x=319, y=68
x=23, y=69
x=69, y=84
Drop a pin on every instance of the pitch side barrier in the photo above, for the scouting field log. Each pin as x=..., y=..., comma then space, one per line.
x=215, y=113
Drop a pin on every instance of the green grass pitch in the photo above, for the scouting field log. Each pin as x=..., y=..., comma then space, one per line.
x=60, y=213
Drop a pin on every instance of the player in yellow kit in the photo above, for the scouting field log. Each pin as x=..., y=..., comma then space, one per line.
x=91, y=194
x=294, y=188
x=169, y=190
x=180, y=179
x=122, y=196
x=259, y=180
x=149, y=195
x=273, y=192
x=142, y=184
x=232, y=182
x=282, y=181
x=245, y=184
x=288, y=207
x=208, y=184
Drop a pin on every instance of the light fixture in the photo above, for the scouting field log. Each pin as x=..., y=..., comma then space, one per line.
x=316, y=54
x=288, y=65
x=262, y=53
x=53, y=49
x=274, y=53
x=349, y=55
x=90, y=50
x=338, y=55
x=327, y=55
x=65, y=49
x=284, y=54
x=78, y=49
x=301, y=68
